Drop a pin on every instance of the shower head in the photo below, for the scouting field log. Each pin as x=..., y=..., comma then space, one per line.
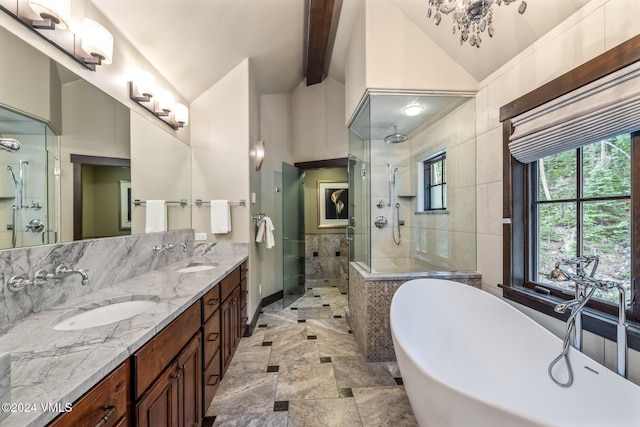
x=395, y=137
x=9, y=144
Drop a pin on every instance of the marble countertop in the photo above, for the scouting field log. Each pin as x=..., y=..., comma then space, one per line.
x=57, y=367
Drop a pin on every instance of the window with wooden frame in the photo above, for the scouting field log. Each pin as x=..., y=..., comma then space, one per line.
x=435, y=182
x=583, y=201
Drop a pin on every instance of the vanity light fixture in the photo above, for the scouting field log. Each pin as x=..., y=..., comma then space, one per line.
x=143, y=87
x=180, y=114
x=413, y=110
x=158, y=101
x=54, y=14
x=97, y=41
x=164, y=102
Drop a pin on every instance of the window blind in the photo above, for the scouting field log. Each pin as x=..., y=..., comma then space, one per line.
x=606, y=107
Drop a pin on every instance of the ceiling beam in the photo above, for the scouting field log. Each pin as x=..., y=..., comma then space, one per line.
x=322, y=27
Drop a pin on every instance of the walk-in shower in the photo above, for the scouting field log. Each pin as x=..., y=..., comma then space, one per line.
x=28, y=148
x=390, y=184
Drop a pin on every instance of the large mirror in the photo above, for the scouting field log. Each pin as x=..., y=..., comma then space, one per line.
x=83, y=159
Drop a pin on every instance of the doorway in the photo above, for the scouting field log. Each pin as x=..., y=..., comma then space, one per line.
x=101, y=189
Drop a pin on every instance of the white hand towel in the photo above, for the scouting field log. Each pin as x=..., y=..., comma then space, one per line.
x=269, y=239
x=220, y=217
x=265, y=232
x=156, y=216
x=260, y=234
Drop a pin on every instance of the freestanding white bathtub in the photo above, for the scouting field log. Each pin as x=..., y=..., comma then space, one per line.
x=469, y=359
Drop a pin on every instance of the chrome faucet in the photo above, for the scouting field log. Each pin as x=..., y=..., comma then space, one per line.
x=61, y=272
x=586, y=285
x=161, y=248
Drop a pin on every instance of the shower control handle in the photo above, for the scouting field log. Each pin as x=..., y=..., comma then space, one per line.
x=381, y=222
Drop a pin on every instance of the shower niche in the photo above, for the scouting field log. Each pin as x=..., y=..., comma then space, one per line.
x=28, y=183
x=390, y=138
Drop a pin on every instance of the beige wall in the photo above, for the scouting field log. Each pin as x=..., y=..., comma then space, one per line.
x=596, y=28
x=220, y=152
x=388, y=51
x=317, y=128
x=275, y=130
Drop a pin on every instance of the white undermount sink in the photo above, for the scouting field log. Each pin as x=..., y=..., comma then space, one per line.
x=104, y=313
x=196, y=268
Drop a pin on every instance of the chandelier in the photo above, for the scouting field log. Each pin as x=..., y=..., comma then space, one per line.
x=470, y=17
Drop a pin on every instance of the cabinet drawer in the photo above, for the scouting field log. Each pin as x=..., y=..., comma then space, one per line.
x=212, y=337
x=210, y=302
x=229, y=283
x=106, y=403
x=155, y=356
x=211, y=379
x=243, y=270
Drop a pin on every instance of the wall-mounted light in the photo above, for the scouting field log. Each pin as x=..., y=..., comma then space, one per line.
x=158, y=101
x=97, y=41
x=93, y=46
x=54, y=14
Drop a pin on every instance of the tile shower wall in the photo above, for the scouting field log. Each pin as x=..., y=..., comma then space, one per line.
x=326, y=259
x=108, y=260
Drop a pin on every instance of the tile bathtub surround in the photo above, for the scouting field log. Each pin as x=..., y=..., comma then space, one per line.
x=371, y=295
x=298, y=381
x=108, y=261
x=50, y=366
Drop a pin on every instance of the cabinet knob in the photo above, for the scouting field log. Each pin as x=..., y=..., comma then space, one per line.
x=110, y=411
x=212, y=301
x=176, y=375
x=213, y=337
x=213, y=378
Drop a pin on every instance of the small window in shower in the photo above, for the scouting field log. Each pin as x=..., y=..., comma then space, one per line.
x=435, y=182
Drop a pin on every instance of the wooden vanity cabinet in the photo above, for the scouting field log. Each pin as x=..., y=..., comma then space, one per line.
x=167, y=375
x=244, y=292
x=105, y=404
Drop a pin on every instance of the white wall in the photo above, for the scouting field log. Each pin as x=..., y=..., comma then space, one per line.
x=596, y=28
x=317, y=129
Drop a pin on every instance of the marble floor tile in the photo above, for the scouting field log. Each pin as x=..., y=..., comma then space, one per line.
x=384, y=406
x=393, y=368
x=274, y=419
x=355, y=371
x=281, y=318
x=315, y=313
x=345, y=345
x=252, y=342
x=291, y=332
x=241, y=394
x=252, y=361
x=327, y=328
x=323, y=413
x=306, y=382
x=294, y=352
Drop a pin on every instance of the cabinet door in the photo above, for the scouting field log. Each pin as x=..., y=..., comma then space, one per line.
x=159, y=405
x=190, y=384
x=105, y=404
x=237, y=315
x=227, y=322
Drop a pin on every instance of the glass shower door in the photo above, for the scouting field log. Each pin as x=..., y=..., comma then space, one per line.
x=292, y=233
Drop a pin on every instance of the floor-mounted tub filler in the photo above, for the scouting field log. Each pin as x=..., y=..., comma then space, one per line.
x=468, y=358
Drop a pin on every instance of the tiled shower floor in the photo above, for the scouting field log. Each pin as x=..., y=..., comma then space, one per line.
x=302, y=367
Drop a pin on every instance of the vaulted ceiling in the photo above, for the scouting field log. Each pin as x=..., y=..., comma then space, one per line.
x=194, y=43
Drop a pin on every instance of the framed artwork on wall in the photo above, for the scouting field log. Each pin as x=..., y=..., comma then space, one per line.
x=333, y=204
x=125, y=204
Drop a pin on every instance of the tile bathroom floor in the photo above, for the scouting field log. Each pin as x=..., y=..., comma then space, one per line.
x=302, y=367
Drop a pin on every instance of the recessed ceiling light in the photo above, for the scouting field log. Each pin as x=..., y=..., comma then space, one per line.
x=413, y=110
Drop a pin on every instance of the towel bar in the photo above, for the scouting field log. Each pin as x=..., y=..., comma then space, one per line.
x=241, y=202
x=182, y=202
